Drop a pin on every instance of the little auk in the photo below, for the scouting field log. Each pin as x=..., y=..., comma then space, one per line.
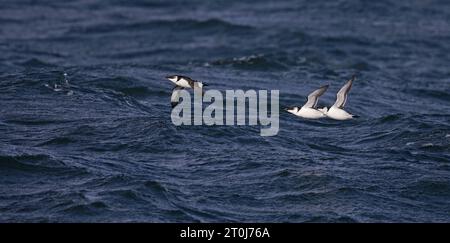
x=309, y=110
x=61, y=87
x=185, y=82
x=337, y=111
x=182, y=82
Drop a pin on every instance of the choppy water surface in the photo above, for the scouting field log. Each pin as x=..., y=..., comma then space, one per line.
x=109, y=152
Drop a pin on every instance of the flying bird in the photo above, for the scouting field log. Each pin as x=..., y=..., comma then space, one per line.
x=182, y=82
x=309, y=109
x=337, y=111
x=185, y=82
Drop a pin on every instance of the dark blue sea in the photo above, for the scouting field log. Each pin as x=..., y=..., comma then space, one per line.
x=108, y=151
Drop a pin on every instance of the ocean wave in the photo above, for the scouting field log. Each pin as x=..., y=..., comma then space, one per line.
x=430, y=94
x=36, y=63
x=428, y=187
x=33, y=121
x=128, y=86
x=58, y=141
x=89, y=209
x=34, y=163
x=216, y=25
x=329, y=219
x=253, y=62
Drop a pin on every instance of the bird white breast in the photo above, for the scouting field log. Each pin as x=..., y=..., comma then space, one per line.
x=310, y=113
x=183, y=83
x=338, y=114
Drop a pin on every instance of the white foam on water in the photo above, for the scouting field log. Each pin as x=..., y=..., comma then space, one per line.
x=427, y=145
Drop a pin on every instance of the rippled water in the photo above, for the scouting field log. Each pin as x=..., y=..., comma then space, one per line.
x=109, y=152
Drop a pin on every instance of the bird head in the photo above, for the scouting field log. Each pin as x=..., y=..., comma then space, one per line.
x=292, y=109
x=173, y=78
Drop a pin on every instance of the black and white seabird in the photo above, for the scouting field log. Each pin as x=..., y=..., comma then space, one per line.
x=182, y=82
x=337, y=111
x=185, y=82
x=63, y=86
x=309, y=109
